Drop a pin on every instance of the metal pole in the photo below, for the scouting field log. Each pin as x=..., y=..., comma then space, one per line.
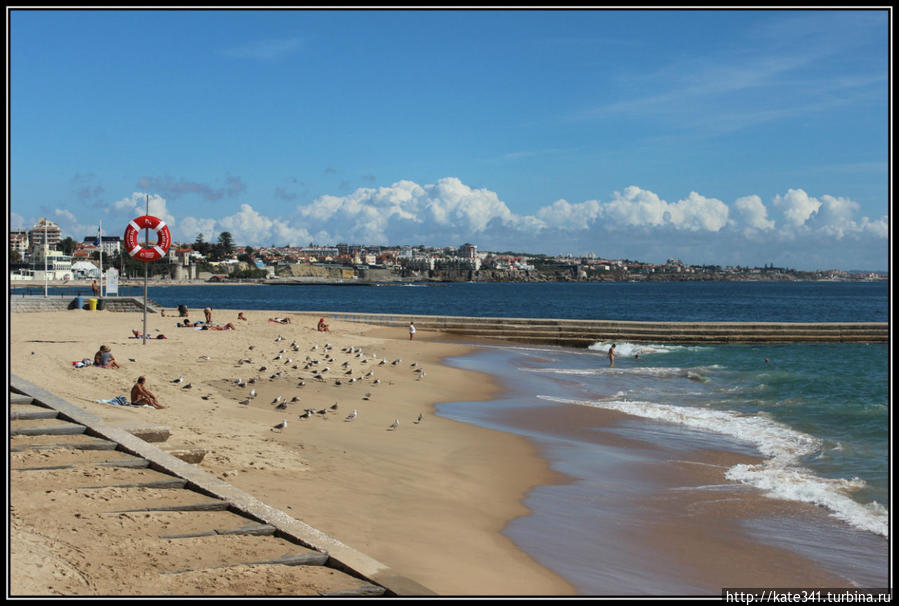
x=46, y=251
x=100, y=238
x=146, y=271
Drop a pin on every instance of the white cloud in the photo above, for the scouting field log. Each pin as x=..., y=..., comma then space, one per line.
x=798, y=206
x=634, y=223
x=754, y=213
x=697, y=212
x=137, y=204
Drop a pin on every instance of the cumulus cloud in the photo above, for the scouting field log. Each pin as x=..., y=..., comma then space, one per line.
x=136, y=205
x=798, y=206
x=634, y=222
x=636, y=207
x=754, y=213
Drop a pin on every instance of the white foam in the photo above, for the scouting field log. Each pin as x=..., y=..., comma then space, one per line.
x=780, y=475
x=695, y=373
x=626, y=349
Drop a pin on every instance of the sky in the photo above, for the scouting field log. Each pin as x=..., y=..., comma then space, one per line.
x=722, y=137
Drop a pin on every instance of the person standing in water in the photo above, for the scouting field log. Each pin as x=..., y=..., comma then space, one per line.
x=612, y=356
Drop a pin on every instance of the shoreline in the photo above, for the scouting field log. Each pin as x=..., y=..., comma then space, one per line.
x=337, y=484
x=666, y=511
x=418, y=498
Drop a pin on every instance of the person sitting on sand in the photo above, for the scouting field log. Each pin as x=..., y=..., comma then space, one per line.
x=182, y=311
x=104, y=358
x=140, y=395
x=322, y=327
x=240, y=316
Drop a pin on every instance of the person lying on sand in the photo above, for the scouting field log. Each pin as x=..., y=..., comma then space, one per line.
x=280, y=320
x=140, y=395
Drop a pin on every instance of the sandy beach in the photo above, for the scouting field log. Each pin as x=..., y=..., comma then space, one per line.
x=429, y=498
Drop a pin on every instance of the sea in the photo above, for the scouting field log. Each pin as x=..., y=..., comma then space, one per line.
x=816, y=415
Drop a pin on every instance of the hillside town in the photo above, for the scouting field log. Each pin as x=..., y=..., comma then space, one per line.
x=41, y=254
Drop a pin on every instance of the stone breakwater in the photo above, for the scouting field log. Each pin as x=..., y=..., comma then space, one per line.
x=582, y=333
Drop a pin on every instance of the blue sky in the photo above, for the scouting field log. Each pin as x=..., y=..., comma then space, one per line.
x=725, y=137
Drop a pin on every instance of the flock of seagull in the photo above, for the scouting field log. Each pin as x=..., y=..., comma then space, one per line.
x=317, y=362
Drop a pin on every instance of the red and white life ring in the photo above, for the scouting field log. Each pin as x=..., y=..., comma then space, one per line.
x=154, y=253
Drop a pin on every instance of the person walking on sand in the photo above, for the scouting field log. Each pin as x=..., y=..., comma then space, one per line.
x=612, y=356
x=141, y=395
x=208, y=313
x=411, y=330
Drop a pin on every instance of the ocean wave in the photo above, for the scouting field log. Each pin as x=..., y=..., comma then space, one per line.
x=779, y=475
x=626, y=349
x=696, y=373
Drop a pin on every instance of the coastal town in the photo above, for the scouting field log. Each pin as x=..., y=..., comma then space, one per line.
x=41, y=254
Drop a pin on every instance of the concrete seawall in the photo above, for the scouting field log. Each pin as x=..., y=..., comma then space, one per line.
x=35, y=303
x=582, y=333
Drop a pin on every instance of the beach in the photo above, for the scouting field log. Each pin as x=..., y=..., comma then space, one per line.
x=457, y=506
x=428, y=499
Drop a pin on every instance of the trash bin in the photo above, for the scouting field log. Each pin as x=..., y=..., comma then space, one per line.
x=92, y=304
x=79, y=302
x=101, y=305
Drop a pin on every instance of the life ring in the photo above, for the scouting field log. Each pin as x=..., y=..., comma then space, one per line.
x=153, y=253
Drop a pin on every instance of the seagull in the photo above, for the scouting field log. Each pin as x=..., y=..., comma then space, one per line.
x=252, y=393
x=251, y=380
x=295, y=399
x=394, y=425
x=351, y=416
x=276, y=400
x=382, y=362
x=245, y=402
x=419, y=418
x=305, y=415
x=188, y=386
x=334, y=406
x=280, y=338
x=239, y=381
x=413, y=364
x=178, y=380
x=281, y=425
x=281, y=406
x=301, y=383
x=366, y=396
x=376, y=381
x=263, y=368
x=251, y=347
x=205, y=358
x=132, y=360
x=369, y=373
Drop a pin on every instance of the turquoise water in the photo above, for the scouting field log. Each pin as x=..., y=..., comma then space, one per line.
x=817, y=414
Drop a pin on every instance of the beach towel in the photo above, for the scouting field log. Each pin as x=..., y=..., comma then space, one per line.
x=123, y=401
